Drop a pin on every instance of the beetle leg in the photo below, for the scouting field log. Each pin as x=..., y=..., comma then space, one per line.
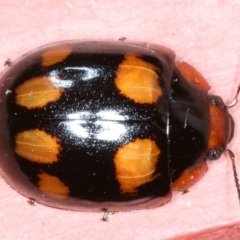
x=106, y=213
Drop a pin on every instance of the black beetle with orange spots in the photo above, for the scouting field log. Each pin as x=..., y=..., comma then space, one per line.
x=115, y=126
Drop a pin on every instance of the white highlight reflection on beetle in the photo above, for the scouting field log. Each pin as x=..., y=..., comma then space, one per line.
x=86, y=72
x=103, y=125
x=58, y=82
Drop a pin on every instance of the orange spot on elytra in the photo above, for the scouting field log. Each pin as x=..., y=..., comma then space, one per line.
x=55, y=55
x=38, y=92
x=135, y=164
x=138, y=80
x=37, y=146
x=52, y=186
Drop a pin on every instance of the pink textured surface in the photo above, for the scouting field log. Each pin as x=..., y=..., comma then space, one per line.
x=205, y=34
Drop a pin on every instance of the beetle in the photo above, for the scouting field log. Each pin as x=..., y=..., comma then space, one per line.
x=103, y=125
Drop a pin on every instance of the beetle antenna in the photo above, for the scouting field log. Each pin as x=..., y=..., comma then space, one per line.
x=232, y=157
x=235, y=99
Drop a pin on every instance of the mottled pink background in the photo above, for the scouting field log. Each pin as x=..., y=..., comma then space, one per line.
x=203, y=33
